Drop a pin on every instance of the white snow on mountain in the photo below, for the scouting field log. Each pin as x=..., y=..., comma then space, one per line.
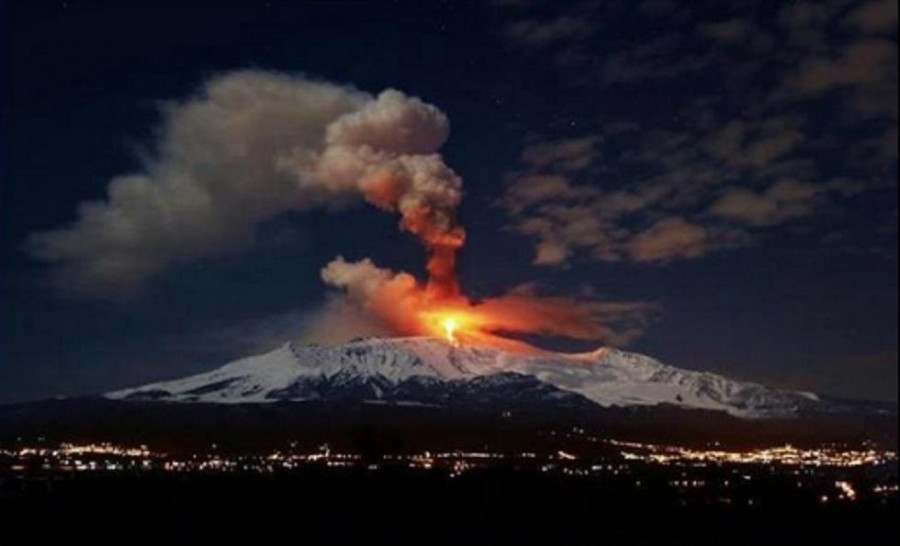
x=384, y=368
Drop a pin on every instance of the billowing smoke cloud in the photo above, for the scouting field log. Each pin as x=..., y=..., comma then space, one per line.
x=385, y=151
x=250, y=146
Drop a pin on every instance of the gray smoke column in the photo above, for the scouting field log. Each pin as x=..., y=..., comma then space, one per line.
x=386, y=152
x=252, y=145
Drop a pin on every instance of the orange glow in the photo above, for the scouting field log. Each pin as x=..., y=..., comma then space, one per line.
x=409, y=307
x=461, y=326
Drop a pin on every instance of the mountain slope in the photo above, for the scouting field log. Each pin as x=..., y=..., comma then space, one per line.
x=429, y=371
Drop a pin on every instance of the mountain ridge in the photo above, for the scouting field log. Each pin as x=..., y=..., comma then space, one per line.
x=432, y=371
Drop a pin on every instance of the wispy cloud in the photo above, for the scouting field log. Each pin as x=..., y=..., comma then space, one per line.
x=736, y=163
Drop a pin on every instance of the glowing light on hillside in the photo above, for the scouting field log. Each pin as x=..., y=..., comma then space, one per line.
x=450, y=325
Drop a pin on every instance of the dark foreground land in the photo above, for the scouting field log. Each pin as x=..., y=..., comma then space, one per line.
x=385, y=428
x=494, y=506
x=600, y=498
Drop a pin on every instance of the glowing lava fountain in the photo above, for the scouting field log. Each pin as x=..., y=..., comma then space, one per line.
x=450, y=324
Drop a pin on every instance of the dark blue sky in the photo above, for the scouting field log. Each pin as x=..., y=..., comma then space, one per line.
x=733, y=162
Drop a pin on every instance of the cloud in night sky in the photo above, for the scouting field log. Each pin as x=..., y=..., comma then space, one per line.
x=542, y=33
x=752, y=155
x=570, y=154
x=250, y=146
x=875, y=16
x=753, y=144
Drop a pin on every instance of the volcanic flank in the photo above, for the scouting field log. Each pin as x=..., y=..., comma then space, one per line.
x=435, y=372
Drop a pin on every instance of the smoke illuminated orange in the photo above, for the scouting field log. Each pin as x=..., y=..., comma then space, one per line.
x=407, y=306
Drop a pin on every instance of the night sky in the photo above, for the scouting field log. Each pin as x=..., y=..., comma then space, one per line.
x=733, y=164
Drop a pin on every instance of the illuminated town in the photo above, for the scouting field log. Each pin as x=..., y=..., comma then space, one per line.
x=113, y=457
x=787, y=455
x=832, y=473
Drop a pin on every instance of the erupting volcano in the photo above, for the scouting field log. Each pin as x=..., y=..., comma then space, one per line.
x=386, y=151
x=426, y=195
x=442, y=372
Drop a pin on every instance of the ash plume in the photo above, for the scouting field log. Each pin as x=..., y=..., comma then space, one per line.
x=252, y=145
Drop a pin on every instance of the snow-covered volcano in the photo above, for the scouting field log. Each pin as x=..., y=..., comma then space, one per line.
x=432, y=371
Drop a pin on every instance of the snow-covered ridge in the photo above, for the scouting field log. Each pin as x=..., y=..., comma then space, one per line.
x=431, y=371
